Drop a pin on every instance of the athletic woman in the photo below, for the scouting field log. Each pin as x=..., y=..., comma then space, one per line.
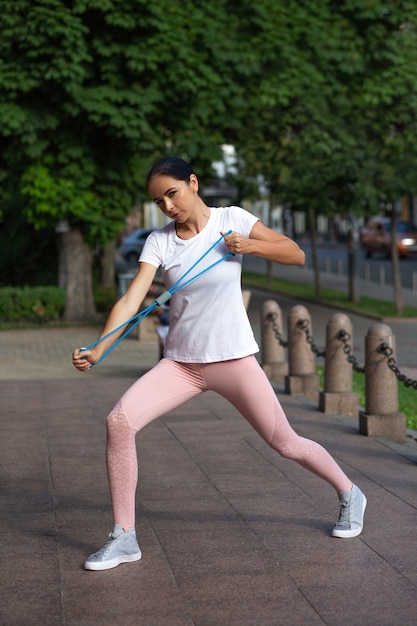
x=210, y=346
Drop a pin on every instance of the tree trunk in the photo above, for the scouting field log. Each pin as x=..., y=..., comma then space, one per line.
x=62, y=263
x=317, y=282
x=76, y=276
x=269, y=266
x=352, y=254
x=396, y=274
x=107, y=274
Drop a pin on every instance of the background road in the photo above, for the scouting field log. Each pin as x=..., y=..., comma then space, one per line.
x=333, y=260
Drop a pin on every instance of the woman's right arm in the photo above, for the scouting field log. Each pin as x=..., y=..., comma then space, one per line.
x=125, y=308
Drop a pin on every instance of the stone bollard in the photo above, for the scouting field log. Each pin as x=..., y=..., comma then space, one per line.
x=301, y=379
x=273, y=353
x=337, y=396
x=381, y=417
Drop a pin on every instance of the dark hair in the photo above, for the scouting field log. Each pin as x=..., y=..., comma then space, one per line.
x=170, y=166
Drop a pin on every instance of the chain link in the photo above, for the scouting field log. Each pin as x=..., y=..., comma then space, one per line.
x=273, y=319
x=303, y=324
x=345, y=338
x=385, y=349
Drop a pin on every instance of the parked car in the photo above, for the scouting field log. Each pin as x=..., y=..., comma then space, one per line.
x=376, y=237
x=132, y=244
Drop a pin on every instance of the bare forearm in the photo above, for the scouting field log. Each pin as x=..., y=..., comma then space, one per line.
x=125, y=308
x=122, y=311
x=285, y=251
x=118, y=316
x=267, y=244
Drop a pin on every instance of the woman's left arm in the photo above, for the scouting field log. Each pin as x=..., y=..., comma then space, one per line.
x=267, y=244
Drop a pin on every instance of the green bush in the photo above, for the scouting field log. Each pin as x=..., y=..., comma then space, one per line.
x=31, y=304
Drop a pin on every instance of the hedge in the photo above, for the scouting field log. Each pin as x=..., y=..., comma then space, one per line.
x=31, y=304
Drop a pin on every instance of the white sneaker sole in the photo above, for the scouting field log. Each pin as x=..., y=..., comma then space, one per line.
x=99, y=566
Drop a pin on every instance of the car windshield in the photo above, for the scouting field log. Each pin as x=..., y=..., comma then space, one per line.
x=406, y=227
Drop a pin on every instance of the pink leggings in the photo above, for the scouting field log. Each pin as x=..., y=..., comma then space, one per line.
x=170, y=384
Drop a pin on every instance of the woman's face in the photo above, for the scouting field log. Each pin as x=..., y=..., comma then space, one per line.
x=175, y=198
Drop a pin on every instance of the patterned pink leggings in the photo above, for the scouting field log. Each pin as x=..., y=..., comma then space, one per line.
x=170, y=384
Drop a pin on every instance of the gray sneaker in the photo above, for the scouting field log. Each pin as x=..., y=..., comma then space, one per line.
x=352, y=510
x=122, y=547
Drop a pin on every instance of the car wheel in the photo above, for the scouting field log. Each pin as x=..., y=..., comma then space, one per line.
x=368, y=253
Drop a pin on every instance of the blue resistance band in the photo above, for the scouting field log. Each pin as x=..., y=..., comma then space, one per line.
x=164, y=297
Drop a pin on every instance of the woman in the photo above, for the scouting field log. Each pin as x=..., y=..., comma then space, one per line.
x=210, y=346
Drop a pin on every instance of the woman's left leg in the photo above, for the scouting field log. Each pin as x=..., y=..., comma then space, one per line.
x=245, y=385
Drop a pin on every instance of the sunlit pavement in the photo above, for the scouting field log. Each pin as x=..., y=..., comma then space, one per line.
x=231, y=533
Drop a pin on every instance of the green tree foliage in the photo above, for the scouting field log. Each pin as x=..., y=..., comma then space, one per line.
x=93, y=91
x=318, y=98
x=333, y=110
x=331, y=118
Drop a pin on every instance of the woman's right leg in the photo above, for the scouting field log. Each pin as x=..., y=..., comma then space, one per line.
x=162, y=389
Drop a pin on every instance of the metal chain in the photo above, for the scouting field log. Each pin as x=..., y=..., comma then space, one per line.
x=272, y=317
x=345, y=337
x=385, y=349
x=303, y=324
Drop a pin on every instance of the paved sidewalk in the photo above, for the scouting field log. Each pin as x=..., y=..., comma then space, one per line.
x=231, y=533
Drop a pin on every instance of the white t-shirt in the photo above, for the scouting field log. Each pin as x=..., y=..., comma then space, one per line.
x=207, y=318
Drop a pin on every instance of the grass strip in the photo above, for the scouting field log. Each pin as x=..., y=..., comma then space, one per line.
x=407, y=396
x=365, y=305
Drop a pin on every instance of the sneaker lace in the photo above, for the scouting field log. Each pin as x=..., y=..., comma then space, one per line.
x=106, y=548
x=344, y=514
